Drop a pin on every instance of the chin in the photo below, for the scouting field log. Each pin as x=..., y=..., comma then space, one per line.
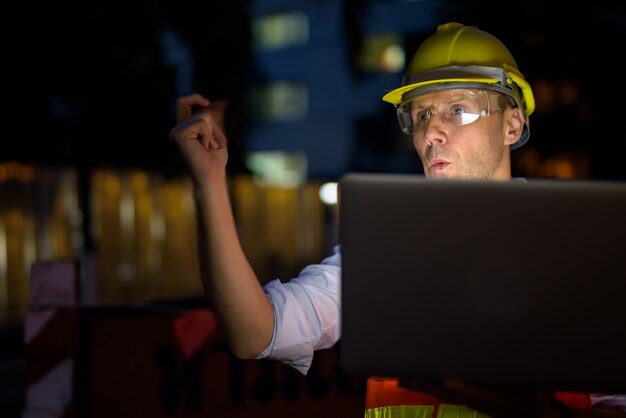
x=443, y=174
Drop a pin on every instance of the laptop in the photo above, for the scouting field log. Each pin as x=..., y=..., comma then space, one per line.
x=517, y=285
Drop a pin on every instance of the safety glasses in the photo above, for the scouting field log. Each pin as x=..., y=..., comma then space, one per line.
x=454, y=107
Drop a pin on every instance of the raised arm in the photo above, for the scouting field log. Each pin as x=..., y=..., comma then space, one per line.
x=242, y=308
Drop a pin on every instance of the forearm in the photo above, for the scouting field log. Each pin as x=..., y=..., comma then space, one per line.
x=244, y=312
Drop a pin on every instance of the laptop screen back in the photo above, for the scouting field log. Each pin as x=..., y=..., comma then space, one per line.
x=511, y=284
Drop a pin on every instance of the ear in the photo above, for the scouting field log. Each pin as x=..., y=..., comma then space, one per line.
x=513, y=125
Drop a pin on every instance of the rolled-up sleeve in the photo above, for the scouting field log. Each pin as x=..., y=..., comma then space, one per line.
x=307, y=313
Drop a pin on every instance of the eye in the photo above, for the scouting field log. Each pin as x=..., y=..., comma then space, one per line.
x=457, y=110
x=422, y=116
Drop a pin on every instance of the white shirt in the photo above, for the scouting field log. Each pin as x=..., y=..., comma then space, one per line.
x=307, y=311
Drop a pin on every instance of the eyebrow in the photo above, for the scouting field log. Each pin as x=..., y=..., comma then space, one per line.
x=455, y=97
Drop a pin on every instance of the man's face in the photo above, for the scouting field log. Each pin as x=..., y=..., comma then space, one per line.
x=476, y=150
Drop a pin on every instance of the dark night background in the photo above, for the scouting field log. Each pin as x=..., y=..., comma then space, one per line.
x=91, y=85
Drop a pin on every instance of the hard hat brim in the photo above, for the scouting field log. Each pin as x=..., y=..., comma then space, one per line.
x=493, y=78
x=397, y=96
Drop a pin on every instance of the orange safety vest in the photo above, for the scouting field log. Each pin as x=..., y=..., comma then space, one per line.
x=384, y=398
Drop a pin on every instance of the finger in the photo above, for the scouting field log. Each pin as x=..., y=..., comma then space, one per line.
x=201, y=129
x=222, y=105
x=212, y=116
x=192, y=129
x=218, y=140
x=217, y=110
x=185, y=104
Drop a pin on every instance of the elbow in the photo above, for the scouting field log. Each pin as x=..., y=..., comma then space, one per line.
x=248, y=345
x=245, y=352
x=248, y=340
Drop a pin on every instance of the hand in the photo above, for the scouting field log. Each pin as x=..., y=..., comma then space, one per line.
x=494, y=402
x=200, y=136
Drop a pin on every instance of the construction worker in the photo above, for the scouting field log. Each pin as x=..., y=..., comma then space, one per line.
x=466, y=105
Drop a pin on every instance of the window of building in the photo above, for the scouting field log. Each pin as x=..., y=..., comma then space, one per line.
x=278, y=168
x=381, y=54
x=281, y=101
x=280, y=30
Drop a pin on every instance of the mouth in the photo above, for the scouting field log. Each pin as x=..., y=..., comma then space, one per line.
x=438, y=165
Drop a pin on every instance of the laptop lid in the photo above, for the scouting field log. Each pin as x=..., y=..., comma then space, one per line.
x=511, y=284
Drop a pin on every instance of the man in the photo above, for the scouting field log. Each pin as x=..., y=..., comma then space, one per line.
x=466, y=105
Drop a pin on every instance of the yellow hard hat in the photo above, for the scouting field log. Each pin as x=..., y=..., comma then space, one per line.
x=459, y=56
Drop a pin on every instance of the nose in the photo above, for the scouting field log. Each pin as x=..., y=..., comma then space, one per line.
x=435, y=131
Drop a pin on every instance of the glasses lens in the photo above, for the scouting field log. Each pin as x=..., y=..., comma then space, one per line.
x=464, y=118
x=457, y=108
x=404, y=119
